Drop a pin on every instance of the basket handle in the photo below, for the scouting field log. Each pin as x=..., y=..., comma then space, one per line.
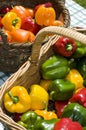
x=67, y=32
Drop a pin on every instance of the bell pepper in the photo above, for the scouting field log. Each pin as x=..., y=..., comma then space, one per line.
x=56, y=67
x=39, y=97
x=59, y=107
x=57, y=23
x=72, y=63
x=81, y=66
x=80, y=50
x=45, y=16
x=4, y=10
x=45, y=84
x=45, y=4
x=75, y=77
x=30, y=25
x=76, y=112
x=84, y=128
x=29, y=119
x=67, y=124
x=65, y=46
x=47, y=115
x=46, y=124
x=21, y=12
x=22, y=36
x=1, y=22
x=17, y=100
x=79, y=97
x=61, y=90
x=11, y=21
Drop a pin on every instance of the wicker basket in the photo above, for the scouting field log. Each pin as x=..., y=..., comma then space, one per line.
x=29, y=72
x=80, y=29
x=12, y=56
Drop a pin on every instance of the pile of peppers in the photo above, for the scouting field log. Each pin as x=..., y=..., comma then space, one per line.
x=21, y=24
x=58, y=102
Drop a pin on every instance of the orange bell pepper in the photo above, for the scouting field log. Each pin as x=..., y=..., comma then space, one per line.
x=8, y=34
x=22, y=36
x=45, y=16
x=21, y=12
x=57, y=23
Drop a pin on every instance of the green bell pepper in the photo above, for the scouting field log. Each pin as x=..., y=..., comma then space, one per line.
x=61, y=89
x=45, y=124
x=84, y=128
x=80, y=50
x=55, y=67
x=76, y=112
x=29, y=119
x=72, y=63
x=81, y=66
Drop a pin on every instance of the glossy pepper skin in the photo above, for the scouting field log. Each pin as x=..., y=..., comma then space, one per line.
x=65, y=46
x=29, y=119
x=17, y=100
x=80, y=50
x=59, y=107
x=47, y=115
x=55, y=67
x=30, y=25
x=75, y=77
x=39, y=97
x=81, y=66
x=61, y=89
x=67, y=124
x=76, y=112
x=46, y=124
x=21, y=12
x=45, y=16
x=79, y=97
x=11, y=21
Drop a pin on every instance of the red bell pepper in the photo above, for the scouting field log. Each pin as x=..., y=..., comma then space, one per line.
x=67, y=124
x=30, y=25
x=65, y=46
x=79, y=97
x=4, y=10
x=1, y=25
x=59, y=107
x=46, y=4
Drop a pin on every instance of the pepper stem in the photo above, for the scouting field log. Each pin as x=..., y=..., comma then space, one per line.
x=14, y=22
x=69, y=47
x=15, y=99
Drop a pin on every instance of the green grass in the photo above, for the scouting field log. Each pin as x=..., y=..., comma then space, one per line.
x=81, y=2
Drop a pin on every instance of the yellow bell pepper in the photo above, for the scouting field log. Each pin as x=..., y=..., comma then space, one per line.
x=11, y=21
x=17, y=100
x=47, y=115
x=45, y=84
x=39, y=97
x=75, y=77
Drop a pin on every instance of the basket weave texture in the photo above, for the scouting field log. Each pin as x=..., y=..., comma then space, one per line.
x=29, y=72
x=12, y=56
